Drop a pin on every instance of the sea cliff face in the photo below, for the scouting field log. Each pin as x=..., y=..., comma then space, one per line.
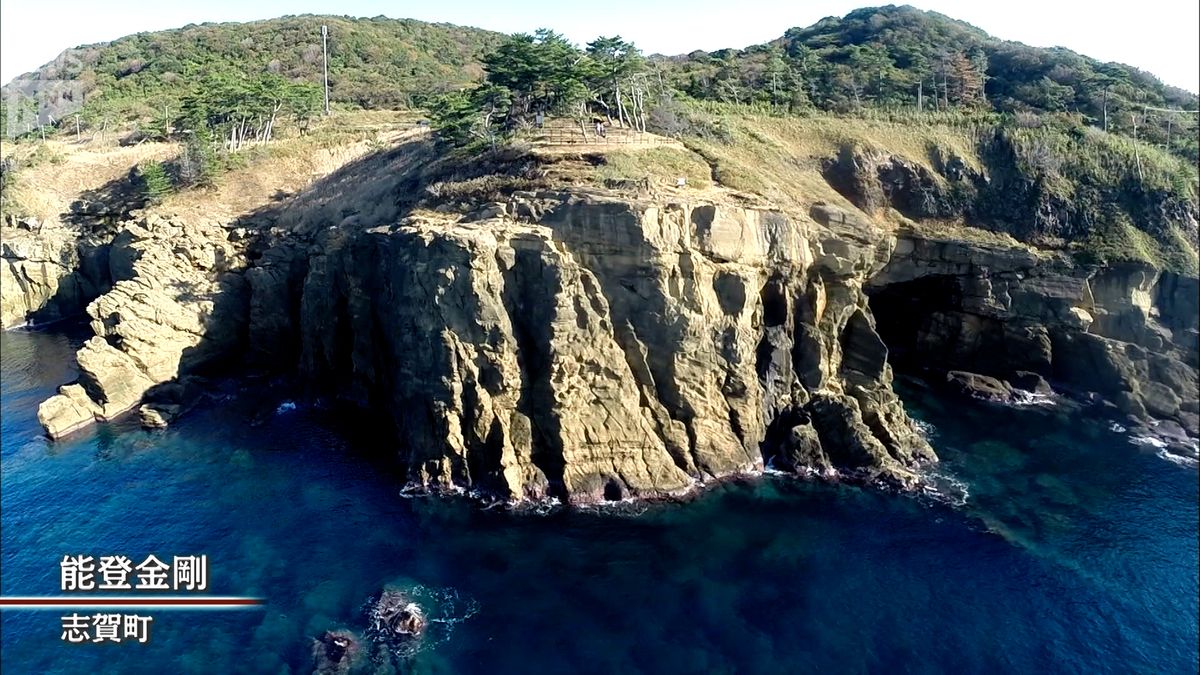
x=589, y=345
x=571, y=345
x=48, y=272
x=1126, y=335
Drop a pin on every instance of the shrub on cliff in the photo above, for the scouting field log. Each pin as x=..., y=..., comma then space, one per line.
x=155, y=183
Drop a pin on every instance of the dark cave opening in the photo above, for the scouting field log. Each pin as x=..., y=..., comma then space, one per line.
x=909, y=314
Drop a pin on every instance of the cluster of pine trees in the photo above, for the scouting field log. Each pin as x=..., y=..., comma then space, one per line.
x=238, y=110
x=528, y=77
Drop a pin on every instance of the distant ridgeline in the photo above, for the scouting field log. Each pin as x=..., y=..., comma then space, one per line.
x=373, y=63
x=891, y=58
x=901, y=58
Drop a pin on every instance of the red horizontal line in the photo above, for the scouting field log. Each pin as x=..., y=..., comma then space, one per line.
x=79, y=601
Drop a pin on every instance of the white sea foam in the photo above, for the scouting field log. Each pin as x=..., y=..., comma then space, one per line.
x=1176, y=453
x=926, y=429
x=1150, y=441
x=286, y=406
x=1023, y=399
x=1117, y=428
x=1182, y=460
x=444, y=608
x=945, y=488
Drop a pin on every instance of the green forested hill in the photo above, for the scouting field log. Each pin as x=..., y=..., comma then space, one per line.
x=887, y=57
x=373, y=63
x=884, y=58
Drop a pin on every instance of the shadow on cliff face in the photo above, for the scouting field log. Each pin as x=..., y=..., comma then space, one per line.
x=255, y=315
x=378, y=189
x=99, y=212
x=906, y=312
x=524, y=289
x=874, y=182
x=927, y=330
x=251, y=302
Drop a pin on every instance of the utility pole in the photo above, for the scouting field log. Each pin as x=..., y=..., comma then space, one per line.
x=1137, y=155
x=325, y=59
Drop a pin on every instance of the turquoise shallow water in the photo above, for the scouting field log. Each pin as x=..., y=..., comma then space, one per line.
x=1074, y=552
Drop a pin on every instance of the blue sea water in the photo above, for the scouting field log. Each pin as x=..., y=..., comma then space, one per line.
x=1075, y=552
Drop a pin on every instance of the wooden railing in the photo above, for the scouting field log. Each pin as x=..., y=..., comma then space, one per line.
x=559, y=132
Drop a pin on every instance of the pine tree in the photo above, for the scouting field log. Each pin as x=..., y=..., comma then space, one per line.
x=156, y=185
x=965, y=81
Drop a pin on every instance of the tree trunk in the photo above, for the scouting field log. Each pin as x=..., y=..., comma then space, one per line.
x=620, y=108
x=1136, y=153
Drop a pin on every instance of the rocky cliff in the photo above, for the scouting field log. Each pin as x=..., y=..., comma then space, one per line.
x=49, y=272
x=591, y=344
x=1125, y=335
x=571, y=345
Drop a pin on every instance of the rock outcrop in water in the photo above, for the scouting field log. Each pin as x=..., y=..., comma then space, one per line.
x=175, y=306
x=335, y=653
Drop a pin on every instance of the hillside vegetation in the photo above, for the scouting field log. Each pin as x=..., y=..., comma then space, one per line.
x=910, y=116
x=1099, y=196
x=901, y=58
x=373, y=63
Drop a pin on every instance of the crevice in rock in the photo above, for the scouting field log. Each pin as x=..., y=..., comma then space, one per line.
x=530, y=312
x=633, y=313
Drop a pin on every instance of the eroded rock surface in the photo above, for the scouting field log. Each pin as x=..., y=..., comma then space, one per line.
x=594, y=348
x=178, y=302
x=47, y=272
x=1127, y=334
x=335, y=653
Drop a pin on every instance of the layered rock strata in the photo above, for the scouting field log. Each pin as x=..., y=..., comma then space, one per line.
x=176, y=304
x=47, y=272
x=574, y=346
x=587, y=347
x=1126, y=334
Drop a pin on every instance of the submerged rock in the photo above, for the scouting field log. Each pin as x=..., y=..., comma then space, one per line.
x=335, y=652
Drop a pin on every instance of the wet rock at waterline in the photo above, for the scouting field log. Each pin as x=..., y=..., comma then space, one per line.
x=395, y=619
x=335, y=653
